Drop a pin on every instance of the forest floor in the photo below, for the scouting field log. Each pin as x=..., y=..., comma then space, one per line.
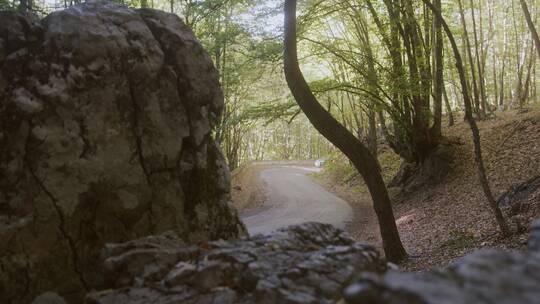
x=443, y=222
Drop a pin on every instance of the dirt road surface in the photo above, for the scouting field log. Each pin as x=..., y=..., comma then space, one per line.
x=293, y=198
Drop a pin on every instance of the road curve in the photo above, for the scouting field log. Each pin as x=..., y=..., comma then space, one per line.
x=293, y=198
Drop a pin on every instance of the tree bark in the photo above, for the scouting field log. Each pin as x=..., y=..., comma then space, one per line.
x=531, y=26
x=526, y=86
x=481, y=80
x=344, y=140
x=448, y=108
x=471, y=62
x=474, y=127
x=401, y=143
x=25, y=5
x=503, y=68
x=438, y=75
x=372, y=133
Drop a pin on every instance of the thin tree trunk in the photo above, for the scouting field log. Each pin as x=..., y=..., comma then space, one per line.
x=531, y=26
x=471, y=62
x=438, y=85
x=448, y=108
x=503, y=68
x=372, y=133
x=481, y=80
x=474, y=128
x=362, y=30
x=25, y=5
x=344, y=140
x=525, y=94
x=495, y=81
x=401, y=96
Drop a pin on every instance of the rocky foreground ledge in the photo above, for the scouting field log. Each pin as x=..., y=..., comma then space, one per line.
x=308, y=263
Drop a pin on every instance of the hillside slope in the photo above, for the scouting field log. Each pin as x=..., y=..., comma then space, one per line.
x=442, y=222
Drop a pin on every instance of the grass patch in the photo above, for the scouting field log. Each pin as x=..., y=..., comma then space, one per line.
x=458, y=240
x=340, y=170
x=390, y=163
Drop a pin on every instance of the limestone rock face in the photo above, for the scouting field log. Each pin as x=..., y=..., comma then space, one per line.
x=307, y=263
x=105, y=136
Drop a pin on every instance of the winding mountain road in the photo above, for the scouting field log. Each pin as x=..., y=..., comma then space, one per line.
x=293, y=198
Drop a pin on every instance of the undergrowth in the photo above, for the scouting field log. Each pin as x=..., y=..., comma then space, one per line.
x=340, y=170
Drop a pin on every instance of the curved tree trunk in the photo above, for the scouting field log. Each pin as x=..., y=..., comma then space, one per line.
x=472, y=123
x=344, y=140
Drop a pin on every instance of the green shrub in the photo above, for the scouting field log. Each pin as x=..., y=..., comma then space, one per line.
x=340, y=170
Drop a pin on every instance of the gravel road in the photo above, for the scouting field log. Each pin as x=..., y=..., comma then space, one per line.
x=293, y=198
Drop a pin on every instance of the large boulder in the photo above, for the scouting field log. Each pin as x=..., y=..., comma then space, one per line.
x=106, y=115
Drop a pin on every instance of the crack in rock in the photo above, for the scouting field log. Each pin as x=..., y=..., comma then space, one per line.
x=117, y=107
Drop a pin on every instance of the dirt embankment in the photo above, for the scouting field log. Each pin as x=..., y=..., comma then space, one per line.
x=248, y=189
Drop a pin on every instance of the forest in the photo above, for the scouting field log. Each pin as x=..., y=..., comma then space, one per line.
x=383, y=74
x=412, y=125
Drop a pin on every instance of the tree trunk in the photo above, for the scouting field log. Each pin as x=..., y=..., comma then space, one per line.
x=438, y=75
x=481, y=80
x=401, y=143
x=471, y=62
x=344, y=140
x=372, y=133
x=472, y=124
x=526, y=90
x=531, y=26
x=448, y=108
x=423, y=141
x=25, y=5
x=503, y=68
